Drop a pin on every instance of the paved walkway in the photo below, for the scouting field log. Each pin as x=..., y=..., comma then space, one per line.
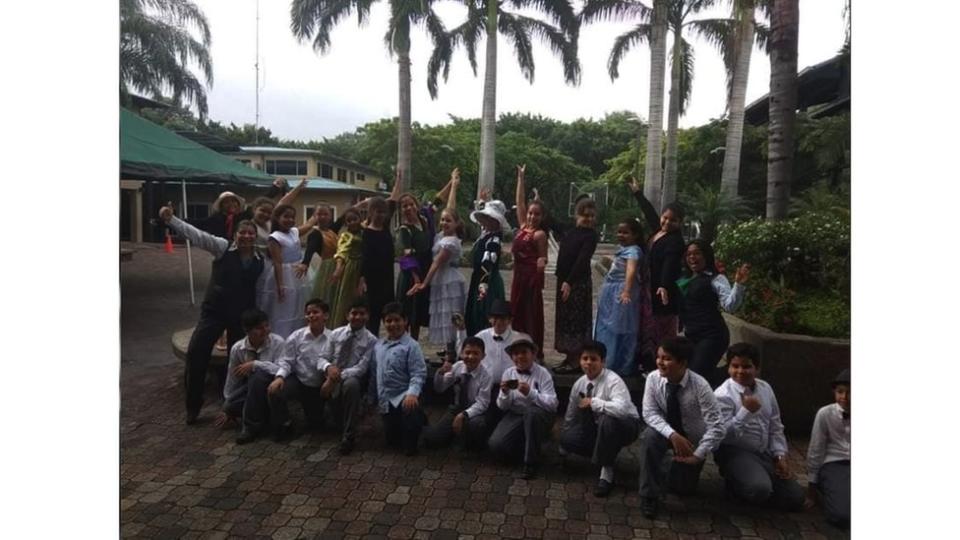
x=194, y=482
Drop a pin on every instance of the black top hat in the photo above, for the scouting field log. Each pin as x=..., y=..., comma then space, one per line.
x=842, y=378
x=499, y=308
x=521, y=343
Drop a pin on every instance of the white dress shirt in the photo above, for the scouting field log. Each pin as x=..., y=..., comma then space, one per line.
x=730, y=297
x=495, y=358
x=698, y=408
x=303, y=354
x=829, y=439
x=760, y=431
x=478, y=388
x=541, y=392
x=264, y=358
x=363, y=342
x=609, y=396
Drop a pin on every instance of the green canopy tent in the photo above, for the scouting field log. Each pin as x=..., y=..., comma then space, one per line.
x=150, y=152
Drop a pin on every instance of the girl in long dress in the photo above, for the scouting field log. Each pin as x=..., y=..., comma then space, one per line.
x=704, y=291
x=529, y=250
x=376, y=262
x=283, y=294
x=446, y=285
x=322, y=241
x=486, y=284
x=345, y=280
x=574, y=299
x=618, y=316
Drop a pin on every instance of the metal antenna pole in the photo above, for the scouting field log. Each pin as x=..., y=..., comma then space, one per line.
x=256, y=66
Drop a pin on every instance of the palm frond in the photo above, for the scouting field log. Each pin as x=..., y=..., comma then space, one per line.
x=622, y=45
x=685, y=65
x=721, y=34
x=762, y=34
x=560, y=12
x=523, y=48
x=614, y=10
x=467, y=34
x=551, y=36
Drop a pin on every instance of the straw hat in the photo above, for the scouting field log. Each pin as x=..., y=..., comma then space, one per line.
x=227, y=195
x=493, y=209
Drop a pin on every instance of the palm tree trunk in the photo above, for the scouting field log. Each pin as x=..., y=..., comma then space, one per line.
x=653, y=171
x=785, y=23
x=673, y=117
x=488, y=120
x=404, y=135
x=730, y=178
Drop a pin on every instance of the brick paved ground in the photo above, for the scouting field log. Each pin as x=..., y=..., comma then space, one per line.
x=194, y=482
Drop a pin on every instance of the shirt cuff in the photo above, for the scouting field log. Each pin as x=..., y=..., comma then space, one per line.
x=598, y=405
x=282, y=373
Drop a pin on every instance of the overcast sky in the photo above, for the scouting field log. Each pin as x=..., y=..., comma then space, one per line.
x=308, y=96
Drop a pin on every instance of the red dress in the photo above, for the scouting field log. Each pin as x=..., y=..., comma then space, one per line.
x=526, y=291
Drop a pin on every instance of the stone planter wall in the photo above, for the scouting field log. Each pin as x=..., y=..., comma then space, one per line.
x=800, y=369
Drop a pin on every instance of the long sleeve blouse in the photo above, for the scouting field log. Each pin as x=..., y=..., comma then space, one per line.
x=576, y=251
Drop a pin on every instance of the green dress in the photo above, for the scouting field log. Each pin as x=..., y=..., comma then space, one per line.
x=345, y=291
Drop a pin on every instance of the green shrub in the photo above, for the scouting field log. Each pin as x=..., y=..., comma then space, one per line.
x=800, y=277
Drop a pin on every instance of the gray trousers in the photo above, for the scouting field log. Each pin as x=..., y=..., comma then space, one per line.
x=521, y=434
x=602, y=440
x=473, y=435
x=751, y=477
x=833, y=483
x=345, y=403
x=655, y=470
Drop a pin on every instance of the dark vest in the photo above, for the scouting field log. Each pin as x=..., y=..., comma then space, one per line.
x=700, y=308
x=232, y=288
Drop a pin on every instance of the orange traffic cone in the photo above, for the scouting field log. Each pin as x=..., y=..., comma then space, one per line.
x=168, y=245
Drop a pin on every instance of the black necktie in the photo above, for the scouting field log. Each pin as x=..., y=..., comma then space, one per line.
x=590, y=390
x=498, y=338
x=674, y=418
x=462, y=398
x=346, y=355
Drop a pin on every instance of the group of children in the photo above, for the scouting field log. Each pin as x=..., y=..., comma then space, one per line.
x=503, y=398
x=504, y=401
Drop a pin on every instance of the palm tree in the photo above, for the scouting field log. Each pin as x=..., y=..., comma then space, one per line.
x=651, y=28
x=785, y=20
x=158, y=47
x=736, y=49
x=486, y=17
x=315, y=19
x=711, y=207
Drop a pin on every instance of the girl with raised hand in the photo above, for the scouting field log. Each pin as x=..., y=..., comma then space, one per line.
x=322, y=241
x=664, y=253
x=232, y=289
x=282, y=293
x=574, y=299
x=618, y=307
x=448, y=288
x=704, y=291
x=345, y=279
x=529, y=250
x=416, y=238
x=486, y=284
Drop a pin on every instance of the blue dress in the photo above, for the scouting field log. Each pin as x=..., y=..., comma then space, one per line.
x=618, y=324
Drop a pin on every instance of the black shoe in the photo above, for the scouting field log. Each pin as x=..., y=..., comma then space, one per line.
x=648, y=505
x=529, y=471
x=603, y=488
x=345, y=447
x=246, y=436
x=192, y=415
x=283, y=433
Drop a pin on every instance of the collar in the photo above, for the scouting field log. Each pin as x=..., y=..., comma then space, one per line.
x=393, y=342
x=683, y=380
x=248, y=347
x=600, y=376
x=323, y=333
x=506, y=335
x=741, y=388
x=840, y=412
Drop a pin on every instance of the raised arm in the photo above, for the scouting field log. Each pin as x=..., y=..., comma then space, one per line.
x=521, y=196
x=649, y=212
x=293, y=193
x=214, y=244
x=454, y=185
x=444, y=193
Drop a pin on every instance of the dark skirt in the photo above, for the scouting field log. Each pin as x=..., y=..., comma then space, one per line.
x=476, y=312
x=574, y=318
x=416, y=308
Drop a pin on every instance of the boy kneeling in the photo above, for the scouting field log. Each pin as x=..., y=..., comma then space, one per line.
x=680, y=411
x=352, y=345
x=529, y=403
x=601, y=419
x=257, y=352
x=399, y=374
x=828, y=456
x=753, y=455
x=466, y=417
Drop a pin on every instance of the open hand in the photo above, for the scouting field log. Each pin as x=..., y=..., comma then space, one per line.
x=410, y=402
x=299, y=270
x=743, y=273
x=166, y=213
x=244, y=369
x=446, y=367
x=664, y=297
x=634, y=185
x=565, y=291
x=624, y=297
x=681, y=445
x=275, y=386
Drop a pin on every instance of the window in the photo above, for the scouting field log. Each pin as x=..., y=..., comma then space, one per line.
x=341, y=175
x=326, y=171
x=287, y=166
x=361, y=177
x=198, y=211
x=309, y=210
